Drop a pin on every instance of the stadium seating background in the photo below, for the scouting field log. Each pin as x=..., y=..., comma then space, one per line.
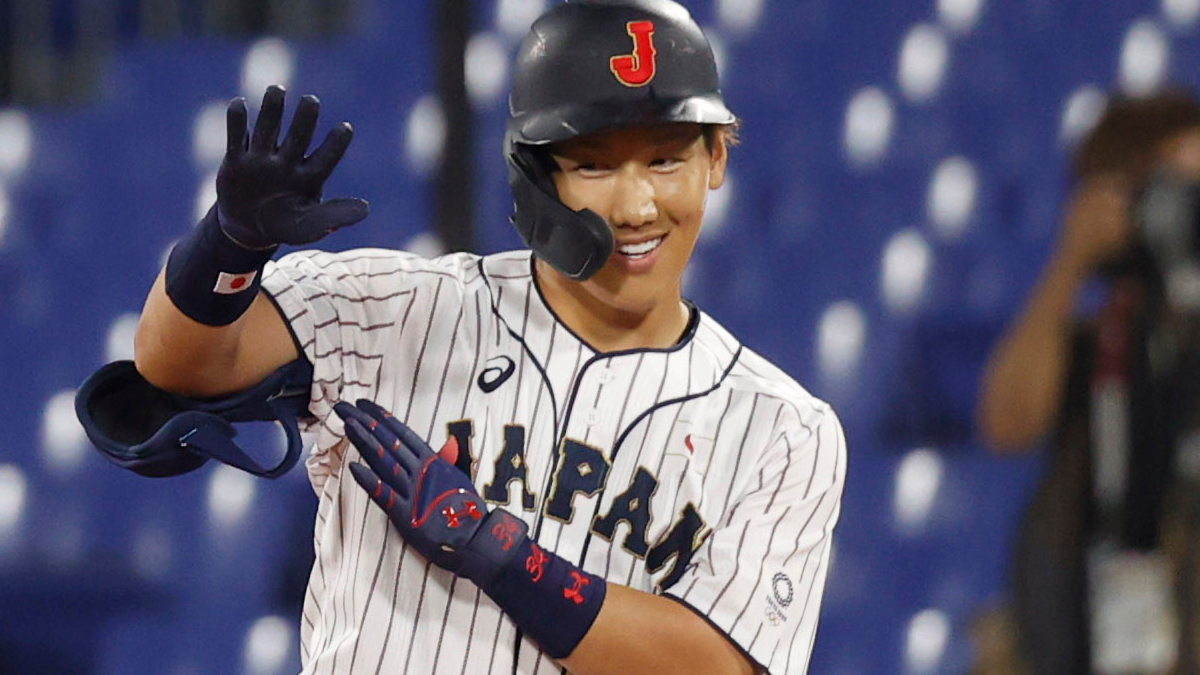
x=895, y=194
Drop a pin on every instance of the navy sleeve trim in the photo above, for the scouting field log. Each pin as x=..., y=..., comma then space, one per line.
x=753, y=662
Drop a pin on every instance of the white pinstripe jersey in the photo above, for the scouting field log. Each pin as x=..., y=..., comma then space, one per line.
x=701, y=472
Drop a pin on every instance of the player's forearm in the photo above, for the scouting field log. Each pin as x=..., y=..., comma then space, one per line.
x=179, y=354
x=1024, y=378
x=636, y=632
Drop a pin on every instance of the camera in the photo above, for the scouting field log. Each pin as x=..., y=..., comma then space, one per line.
x=1167, y=220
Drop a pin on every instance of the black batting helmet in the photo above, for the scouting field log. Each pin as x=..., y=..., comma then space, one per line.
x=588, y=66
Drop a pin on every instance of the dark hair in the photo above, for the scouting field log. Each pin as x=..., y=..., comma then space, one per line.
x=1130, y=134
x=730, y=131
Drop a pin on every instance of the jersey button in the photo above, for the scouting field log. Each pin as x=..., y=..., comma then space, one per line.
x=592, y=418
x=606, y=376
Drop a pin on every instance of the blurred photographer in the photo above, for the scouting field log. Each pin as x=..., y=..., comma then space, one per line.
x=1104, y=573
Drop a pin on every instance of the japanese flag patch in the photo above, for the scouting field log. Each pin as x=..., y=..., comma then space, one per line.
x=229, y=284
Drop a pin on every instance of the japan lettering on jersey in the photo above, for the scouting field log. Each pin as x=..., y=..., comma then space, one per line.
x=700, y=472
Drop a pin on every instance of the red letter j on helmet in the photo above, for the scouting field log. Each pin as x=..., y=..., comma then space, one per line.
x=636, y=69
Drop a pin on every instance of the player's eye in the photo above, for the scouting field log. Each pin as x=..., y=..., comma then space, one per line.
x=590, y=169
x=666, y=163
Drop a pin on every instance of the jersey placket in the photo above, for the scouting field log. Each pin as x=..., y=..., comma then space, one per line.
x=580, y=460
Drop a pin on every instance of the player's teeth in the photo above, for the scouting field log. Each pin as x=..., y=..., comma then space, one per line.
x=642, y=248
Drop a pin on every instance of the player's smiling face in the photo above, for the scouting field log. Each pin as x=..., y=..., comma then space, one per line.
x=650, y=184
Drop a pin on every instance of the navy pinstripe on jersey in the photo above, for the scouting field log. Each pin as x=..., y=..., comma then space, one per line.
x=701, y=472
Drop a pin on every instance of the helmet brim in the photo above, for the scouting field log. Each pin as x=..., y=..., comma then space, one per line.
x=568, y=121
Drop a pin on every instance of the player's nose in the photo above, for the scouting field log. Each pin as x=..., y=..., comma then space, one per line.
x=634, y=199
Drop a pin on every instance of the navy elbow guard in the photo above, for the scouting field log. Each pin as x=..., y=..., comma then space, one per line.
x=155, y=433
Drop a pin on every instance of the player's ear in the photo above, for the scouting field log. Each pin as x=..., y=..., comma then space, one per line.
x=718, y=157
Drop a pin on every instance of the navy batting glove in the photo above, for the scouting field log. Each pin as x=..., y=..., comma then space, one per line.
x=270, y=194
x=431, y=502
x=438, y=512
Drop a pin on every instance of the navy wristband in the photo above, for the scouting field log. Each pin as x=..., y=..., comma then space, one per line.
x=211, y=278
x=551, y=600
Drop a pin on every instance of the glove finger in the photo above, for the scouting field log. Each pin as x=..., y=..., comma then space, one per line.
x=235, y=126
x=380, y=492
x=333, y=215
x=415, y=444
x=449, y=451
x=323, y=160
x=266, y=127
x=375, y=438
x=300, y=133
x=382, y=462
x=398, y=451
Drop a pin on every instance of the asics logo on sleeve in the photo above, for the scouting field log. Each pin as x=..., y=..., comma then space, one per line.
x=495, y=375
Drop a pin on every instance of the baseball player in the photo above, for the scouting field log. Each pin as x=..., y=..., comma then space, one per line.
x=620, y=485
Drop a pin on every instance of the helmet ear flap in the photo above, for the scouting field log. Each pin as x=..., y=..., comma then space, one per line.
x=539, y=164
x=576, y=243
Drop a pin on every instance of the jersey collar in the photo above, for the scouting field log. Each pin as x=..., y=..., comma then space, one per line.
x=697, y=362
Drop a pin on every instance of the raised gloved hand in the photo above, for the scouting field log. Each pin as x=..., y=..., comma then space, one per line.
x=269, y=195
x=431, y=502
